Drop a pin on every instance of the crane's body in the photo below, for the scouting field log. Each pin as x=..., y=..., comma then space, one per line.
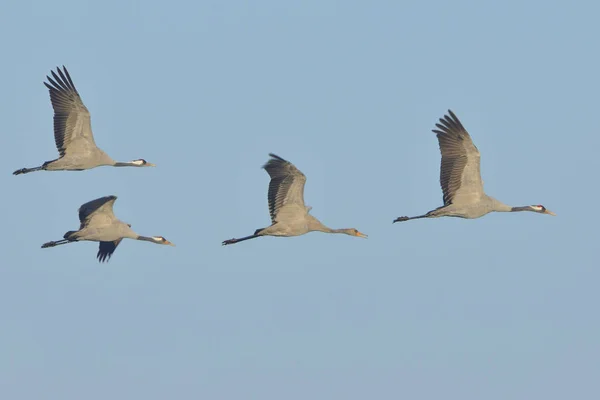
x=73, y=132
x=99, y=224
x=460, y=177
x=289, y=215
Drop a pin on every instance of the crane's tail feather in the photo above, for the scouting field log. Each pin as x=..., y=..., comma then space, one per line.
x=256, y=232
x=71, y=235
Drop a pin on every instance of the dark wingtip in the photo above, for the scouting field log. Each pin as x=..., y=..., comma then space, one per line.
x=454, y=117
x=274, y=158
x=277, y=157
x=103, y=257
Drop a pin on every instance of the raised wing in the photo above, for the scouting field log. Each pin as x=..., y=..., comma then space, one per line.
x=97, y=211
x=286, y=185
x=72, y=124
x=460, y=175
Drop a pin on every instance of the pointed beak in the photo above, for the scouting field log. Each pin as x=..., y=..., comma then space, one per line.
x=149, y=164
x=169, y=243
x=361, y=235
x=549, y=213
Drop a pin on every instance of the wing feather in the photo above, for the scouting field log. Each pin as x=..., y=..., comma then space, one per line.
x=71, y=117
x=97, y=211
x=106, y=250
x=286, y=185
x=460, y=176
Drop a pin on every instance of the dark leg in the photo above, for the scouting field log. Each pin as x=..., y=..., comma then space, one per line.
x=402, y=219
x=27, y=170
x=232, y=241
x=57, y=243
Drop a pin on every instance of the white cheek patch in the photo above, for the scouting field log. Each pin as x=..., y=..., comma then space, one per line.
x=538, y=208
x=138, y=162
x=157, y=238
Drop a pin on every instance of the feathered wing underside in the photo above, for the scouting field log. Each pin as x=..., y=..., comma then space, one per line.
x=98, y=211
x=286, y=185
x=72, y=124
x=460, y=176
x=106, y=250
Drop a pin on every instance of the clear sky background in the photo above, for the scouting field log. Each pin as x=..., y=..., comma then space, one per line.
x=503, y=307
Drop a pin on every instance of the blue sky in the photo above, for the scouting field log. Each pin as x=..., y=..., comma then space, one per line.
x=503, y=307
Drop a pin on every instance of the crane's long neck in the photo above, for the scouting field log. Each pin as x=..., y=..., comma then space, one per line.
x=126, y=164
x=145, y=238
x=499, y=206
x=523, y=208
x=316, y=225
x=342, y=230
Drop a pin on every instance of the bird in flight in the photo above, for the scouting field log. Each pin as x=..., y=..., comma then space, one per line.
x=99, y=224
x=73, y=132
x=289, y=215
x=460, y=177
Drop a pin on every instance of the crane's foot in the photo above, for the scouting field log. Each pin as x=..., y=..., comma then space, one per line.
x=49, y=244
x=401, y=219
x=26, y=170
x=20, y=171
x=230, y=241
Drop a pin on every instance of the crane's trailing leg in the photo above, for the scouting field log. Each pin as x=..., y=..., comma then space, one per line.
x=27, y=170
x=68, y=238
x=232, y=241
x=57, y=243
x=402, y=219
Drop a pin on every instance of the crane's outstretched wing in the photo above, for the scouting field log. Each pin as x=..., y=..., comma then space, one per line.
x=72, y=124
x=106, y=249
x=98, y=211
x=286, y=185
x=460, y=175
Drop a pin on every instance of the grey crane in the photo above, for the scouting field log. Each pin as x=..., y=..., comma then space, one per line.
x=289, y=215
x=99, y=224
x=73, y=132
x=460, y=177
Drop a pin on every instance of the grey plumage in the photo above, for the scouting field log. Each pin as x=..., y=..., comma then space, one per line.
x=460, y=177
x=99, y=224
x=289, y=215
x=73, y=131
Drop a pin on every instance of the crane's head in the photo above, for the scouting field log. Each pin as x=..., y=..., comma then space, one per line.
x=161, y=240
x=142, y=163
x=541, y=209
x=355, y=232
